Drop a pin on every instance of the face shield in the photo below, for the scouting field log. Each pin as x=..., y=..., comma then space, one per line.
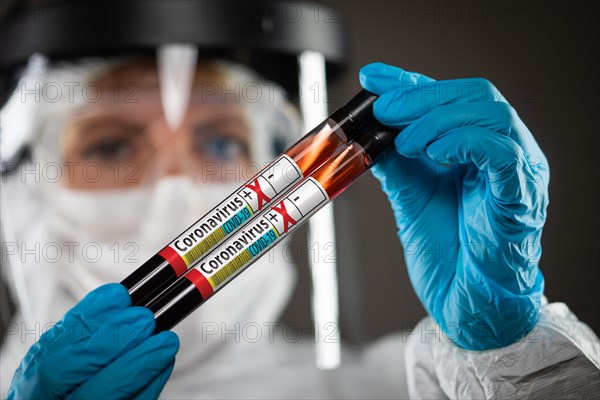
x=138, y=147
x=132, y=133
x=131, y=139
x=134, y=123
x=124, y=151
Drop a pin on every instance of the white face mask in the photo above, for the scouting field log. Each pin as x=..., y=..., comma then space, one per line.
x=117, y=231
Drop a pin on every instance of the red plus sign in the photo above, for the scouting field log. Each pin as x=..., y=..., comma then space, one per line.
x=261, y=197
x=287, y=220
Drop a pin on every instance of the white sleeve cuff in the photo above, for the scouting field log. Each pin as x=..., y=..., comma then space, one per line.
x=560, y=358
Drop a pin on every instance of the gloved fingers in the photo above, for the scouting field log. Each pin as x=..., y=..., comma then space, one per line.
x=79, y=322
x=518, y=192
x=413, y=140
x=402, y=106
x=142, y=370
x=381, y=78
x=490, y=151
x=497, y=117
x=73, y=364
x=95, y=308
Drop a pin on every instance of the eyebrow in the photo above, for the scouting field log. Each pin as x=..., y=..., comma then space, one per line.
x=90, y=126
x=221, y=121
x=96, y=121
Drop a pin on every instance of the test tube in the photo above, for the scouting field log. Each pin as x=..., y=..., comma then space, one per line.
x=237, y=253
x=297, y=162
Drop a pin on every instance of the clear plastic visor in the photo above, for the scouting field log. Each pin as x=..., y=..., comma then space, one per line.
x=142, y=119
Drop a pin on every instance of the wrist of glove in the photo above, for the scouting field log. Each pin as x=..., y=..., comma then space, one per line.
x=468, y=186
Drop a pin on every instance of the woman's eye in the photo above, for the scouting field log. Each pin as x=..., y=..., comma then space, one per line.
x=224, y=148
x=108, y=150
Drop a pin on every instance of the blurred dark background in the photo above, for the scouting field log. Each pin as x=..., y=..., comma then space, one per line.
x=542, y=57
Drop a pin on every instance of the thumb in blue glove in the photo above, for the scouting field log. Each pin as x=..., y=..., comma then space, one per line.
x=468, y=186
x=102, y=348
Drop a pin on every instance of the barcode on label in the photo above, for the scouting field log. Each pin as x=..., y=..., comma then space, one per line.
x=201, y=248
x=228, y=270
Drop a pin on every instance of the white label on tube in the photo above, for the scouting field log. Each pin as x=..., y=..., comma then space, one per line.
x=234, y=211
x=259, y=235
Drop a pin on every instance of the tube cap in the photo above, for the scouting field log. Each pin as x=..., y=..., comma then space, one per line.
x=356, y=114
x=378, y=140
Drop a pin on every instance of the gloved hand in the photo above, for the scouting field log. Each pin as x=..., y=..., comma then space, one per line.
x=468, y=186
x=102, y=348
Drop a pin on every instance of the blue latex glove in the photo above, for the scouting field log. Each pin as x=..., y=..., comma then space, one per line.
x=468, y=186
x=102, y=348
